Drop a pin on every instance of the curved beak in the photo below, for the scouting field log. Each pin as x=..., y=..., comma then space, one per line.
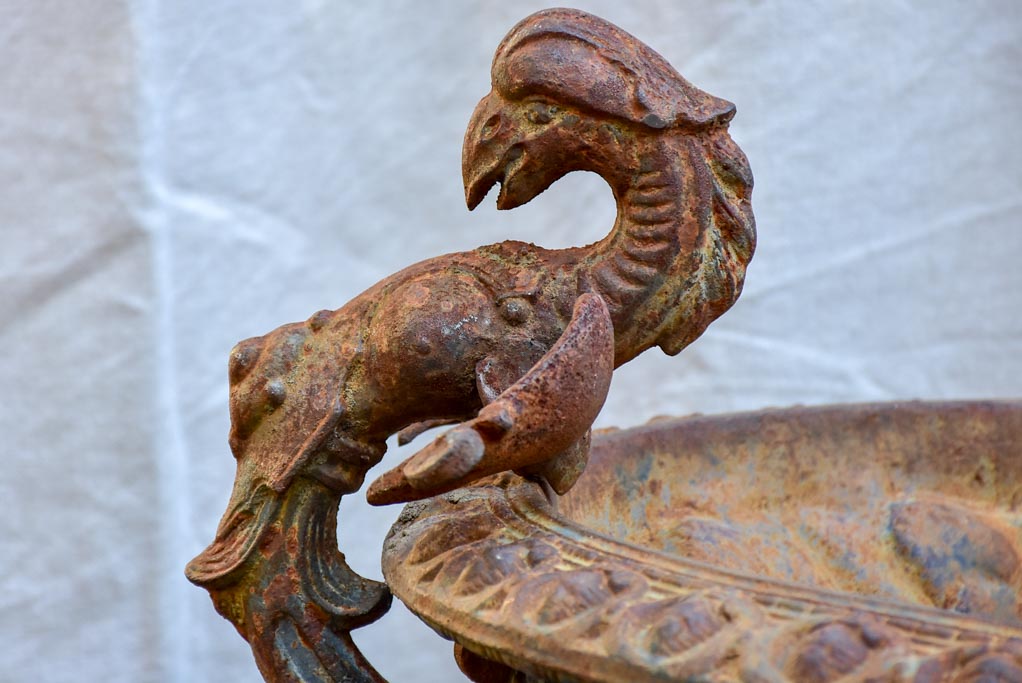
x=492, y=152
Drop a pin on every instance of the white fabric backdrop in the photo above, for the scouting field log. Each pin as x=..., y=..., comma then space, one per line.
x=177, y=176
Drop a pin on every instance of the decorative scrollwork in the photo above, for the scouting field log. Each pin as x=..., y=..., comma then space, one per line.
x=588, y=608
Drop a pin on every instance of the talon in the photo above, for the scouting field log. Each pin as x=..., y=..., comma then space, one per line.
x=495, y=419
x=409, y=433
x=451, y=456
x=537, y=419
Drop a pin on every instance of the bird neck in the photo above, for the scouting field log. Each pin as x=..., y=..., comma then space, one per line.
x=656, y=225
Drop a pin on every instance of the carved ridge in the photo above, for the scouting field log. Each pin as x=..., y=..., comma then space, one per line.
x=675, y=618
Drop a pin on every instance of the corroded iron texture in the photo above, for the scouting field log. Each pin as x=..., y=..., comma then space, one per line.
x=515, y=342
x=808, y=545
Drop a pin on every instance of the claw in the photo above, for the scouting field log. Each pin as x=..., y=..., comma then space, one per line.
x=451, y=456
x=409, y=433
x=544, y=415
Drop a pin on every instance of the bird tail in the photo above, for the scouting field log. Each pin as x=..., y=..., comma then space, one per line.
x=275, y=572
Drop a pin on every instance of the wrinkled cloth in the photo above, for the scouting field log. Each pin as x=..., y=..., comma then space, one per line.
x=177, y=176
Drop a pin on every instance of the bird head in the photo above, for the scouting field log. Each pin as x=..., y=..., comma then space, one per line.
x=525, y=145
x=570, y=92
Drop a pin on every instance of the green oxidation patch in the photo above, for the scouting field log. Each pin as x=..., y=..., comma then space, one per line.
x=632, y=475
x=966, y=564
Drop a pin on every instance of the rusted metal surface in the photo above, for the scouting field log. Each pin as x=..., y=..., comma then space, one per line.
x=807, y=545
x=549, y=410
x=515, y=341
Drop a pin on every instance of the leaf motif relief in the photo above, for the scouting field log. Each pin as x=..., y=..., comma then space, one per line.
x=562, y=596
x=435, y=536
x=476, y=569
x=832, y=650
x=964, y=562
x=973, y=664
x=684, y=635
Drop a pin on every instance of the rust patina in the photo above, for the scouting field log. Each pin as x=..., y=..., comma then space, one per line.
x=515, y=342
x=840, y=544
x=807, y=545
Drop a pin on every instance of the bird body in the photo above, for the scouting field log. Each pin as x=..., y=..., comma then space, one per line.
x=515, y=342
